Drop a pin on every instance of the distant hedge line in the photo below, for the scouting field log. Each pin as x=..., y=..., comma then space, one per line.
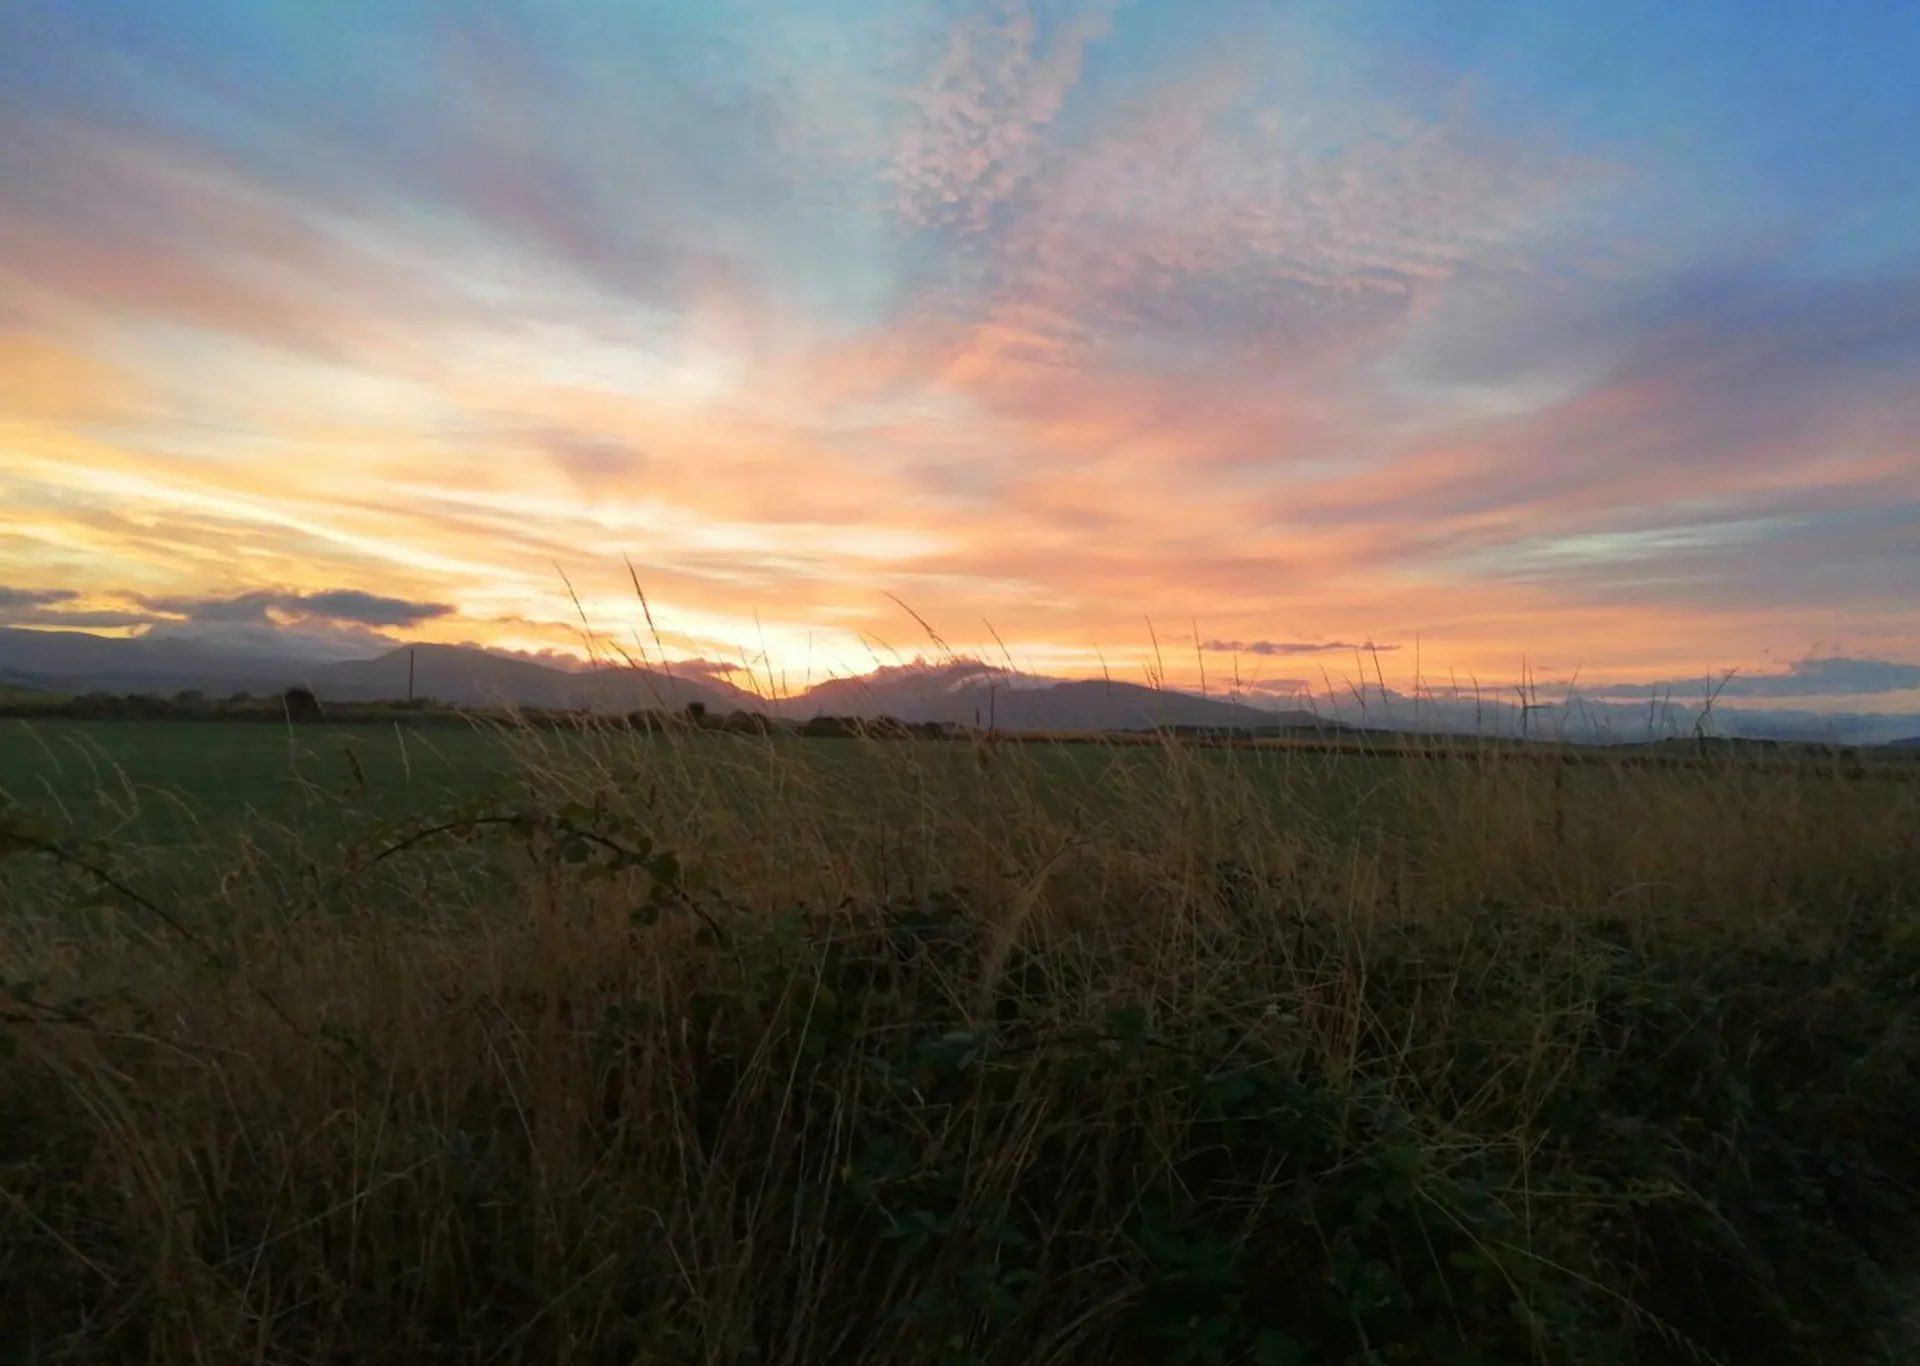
x=296, y=705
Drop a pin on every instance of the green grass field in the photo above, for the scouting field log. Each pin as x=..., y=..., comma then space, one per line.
x=167, y=780
x=351, y=1044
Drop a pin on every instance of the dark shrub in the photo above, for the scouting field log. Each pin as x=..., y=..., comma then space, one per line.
x=829, y=728
x=302, y=706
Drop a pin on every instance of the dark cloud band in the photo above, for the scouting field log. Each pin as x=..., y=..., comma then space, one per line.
x=345, y=606
x=1833, y=677
x=335, y=604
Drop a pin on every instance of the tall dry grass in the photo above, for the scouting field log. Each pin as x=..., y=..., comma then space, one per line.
x=716, y=1049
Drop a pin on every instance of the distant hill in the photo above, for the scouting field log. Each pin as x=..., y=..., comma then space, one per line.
x=1096, y=704
x=969, y=693
x=907, y=692
x=963, y=692
x=475, y=678
x=222, y=660
x=75, y=662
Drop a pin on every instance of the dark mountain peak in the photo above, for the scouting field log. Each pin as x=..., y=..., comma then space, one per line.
x=975, y=693
x=465, y=676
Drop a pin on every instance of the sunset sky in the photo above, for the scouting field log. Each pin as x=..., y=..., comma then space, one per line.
x=1584, y=333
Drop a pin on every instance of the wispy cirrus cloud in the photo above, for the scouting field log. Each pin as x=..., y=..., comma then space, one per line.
x=976, y=136
x=1291, y=647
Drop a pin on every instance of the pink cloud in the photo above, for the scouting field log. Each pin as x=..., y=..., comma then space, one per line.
x=977, y=133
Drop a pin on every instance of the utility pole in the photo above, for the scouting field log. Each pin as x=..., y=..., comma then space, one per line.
x=410, y=673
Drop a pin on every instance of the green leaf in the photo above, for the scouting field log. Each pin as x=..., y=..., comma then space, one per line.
x=21, y=833
x=1276, y=1348
x=97, y=899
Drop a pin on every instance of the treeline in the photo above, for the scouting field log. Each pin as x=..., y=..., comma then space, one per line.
x=296, y=704
x=300, y=706
x=698, y=718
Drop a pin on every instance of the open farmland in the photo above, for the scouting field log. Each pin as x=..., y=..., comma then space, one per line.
x=375, y=1045
x=170, y=782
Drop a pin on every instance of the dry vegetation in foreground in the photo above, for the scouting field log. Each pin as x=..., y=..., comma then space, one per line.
x=705, y=1052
